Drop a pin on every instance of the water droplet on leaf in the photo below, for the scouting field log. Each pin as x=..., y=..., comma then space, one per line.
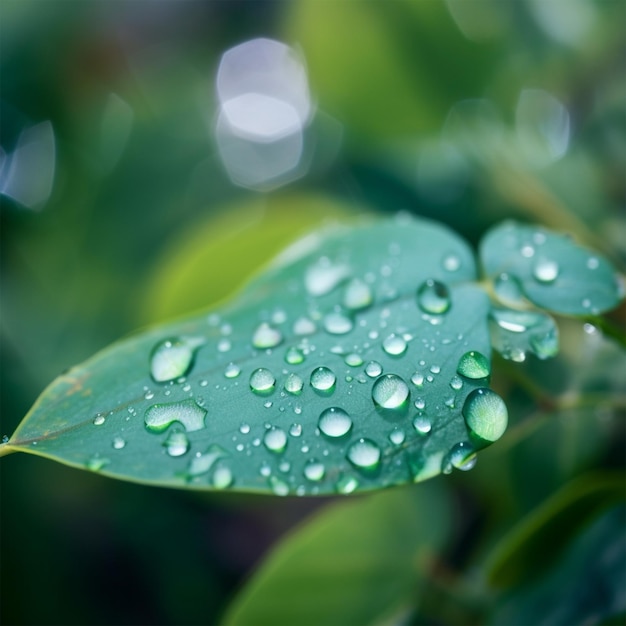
x=358, y=295
x=334, y=422
x=337, y=323
x=275, y=439
x=545, y=270
x=314, y=470
x=159, y=416
x=364, y=454
x=433, y=297
x=176, y=444
x=394, y=345
x=293, y=384
x=485, y=414
x=474, y=365
x=323, y=379
x=265, y=336
x=172, y=358
x=390, y=392
x=262, y=381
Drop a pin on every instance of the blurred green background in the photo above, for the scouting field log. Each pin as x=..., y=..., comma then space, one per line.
x=125, y=214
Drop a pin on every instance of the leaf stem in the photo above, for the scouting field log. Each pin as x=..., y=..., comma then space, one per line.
x=6, y=448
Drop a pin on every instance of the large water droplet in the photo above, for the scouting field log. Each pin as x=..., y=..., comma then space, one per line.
x=358, y=295
x=513, y=321
x=337, y=323
x=265, y=336
x=334, y=422
x=314, y=470
x=433, y=297
x=275, y=439
x=294, y=384
x=463, y=456
x=294, y=356
x=159, y=416
x=485, y=415
x=394, y=345
x=545, y=270
x=262, y=381
x=474, y=365
x=177, y=443
x=172, y=358
x=390, y=392
x=364, y=454
x=323, y=379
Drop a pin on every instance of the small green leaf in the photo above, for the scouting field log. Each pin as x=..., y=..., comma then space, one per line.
x=336, y=370
x=354, y=563
x=551, y=270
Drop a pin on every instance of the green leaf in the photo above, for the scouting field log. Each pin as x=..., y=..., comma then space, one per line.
x=586, y=586
x=334, y=370
x=550, y=269
x=356, y=562
x=541, y=538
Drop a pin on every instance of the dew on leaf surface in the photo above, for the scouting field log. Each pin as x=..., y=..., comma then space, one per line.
x=394, y=345
x=364, y=454
x=433, y=297
x=474, y=365
x=172, y=358
x=314, y=470
x=485, y=414
x=390, y=392
x=265, y=336
x=176, y=444
x=158, y=417
x=334, y=422
x=323, y=379
x=275, y=439
x=358, y=295
x=262, y=381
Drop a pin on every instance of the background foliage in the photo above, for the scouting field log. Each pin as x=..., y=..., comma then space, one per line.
x=143, y=225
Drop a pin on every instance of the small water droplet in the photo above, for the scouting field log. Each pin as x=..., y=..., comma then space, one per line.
x=513, y=321
x=284, y=466
x=278, y=486
x=201, y=463
x=396, y=436
x=485, y=415
x=173, y=358
x=323, y=276
x=314, y=470
x=422, y=425
x=353, y=360
x=474, y=365
x=222, y=477
x=420, y=404
x=433, y=297
x=224, y=345
x=99, y=419
x=358, y=295
x=158, y=417
x=244, y=429
x=177, y=443
x=293, y=384
x=456, y=383
x=394, y=345
x=527, y=251
x=96, y=463
x=417, y=379
x=334, y=422
x=545, y=270
x=279, y=316
x=119, y=443
x=275, y=439
x=364, y=454
x=323, y=379
x=304, y=326
x=148, y=395
x=295, y=430
x=435, y=369
x=265, y=469
x=294, y=356
x=262, y=381
x=593, y=263
x=337, y=323
x=346, y=484
x=390, y=392
x=265, y=336
x=232, y=370
x=462, y=456
x=373, y=369
x=451, y=263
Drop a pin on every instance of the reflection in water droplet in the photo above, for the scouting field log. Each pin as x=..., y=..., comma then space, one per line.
x=346, y=484
x=545, y=270
x=275, y=439
x=232, y=370
x=337, y=323
x=173, y=358
x=433, y=297
x=396, y=436
x=314, y=470
x=323, y=379
x=390, y=392
x=373, y=369
x=422, y=425
x=278, y=486
x=119, y=443
x=262, y=381
x=176, y=444
x=334, y=422
x=485, y=415
x=394, y=345
x=364, y=454
x=294, y=356
x=159, y=416
x=293, y=384
x=474, y=365
x=266, y=337
x=358, y=295
x=222, y=477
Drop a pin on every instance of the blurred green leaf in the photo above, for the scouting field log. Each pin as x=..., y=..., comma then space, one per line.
x=303, y=383
x=587, y=585
x=354, y=563
x=552, y=271
x=542, y=537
